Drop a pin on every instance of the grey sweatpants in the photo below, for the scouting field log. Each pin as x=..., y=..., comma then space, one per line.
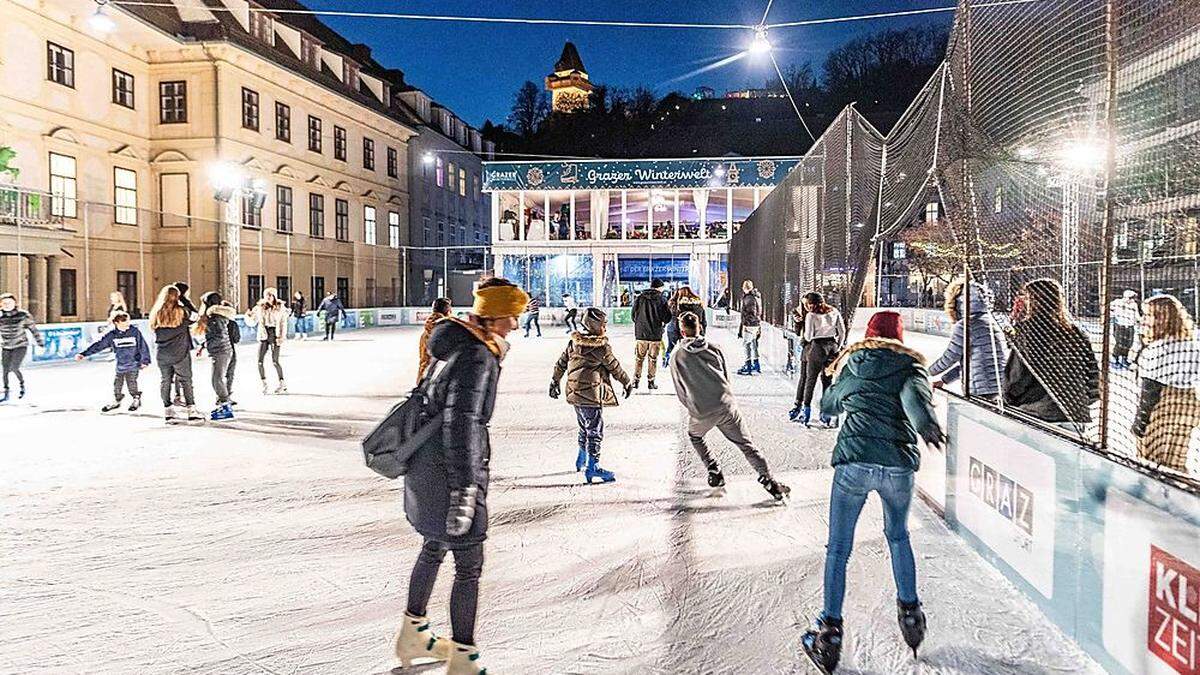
x=126, y=381
x=732, y=427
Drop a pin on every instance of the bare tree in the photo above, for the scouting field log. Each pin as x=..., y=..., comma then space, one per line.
x=530, y=108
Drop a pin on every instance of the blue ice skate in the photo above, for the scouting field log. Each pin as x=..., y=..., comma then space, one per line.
x=222, y=412
x=594, y=471
x=580, y=460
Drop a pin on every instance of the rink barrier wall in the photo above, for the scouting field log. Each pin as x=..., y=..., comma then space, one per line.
x=1109, y=553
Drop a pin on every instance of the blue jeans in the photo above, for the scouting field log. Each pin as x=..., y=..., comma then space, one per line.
x=750, y=336
x=851, y=485
x=591, y=429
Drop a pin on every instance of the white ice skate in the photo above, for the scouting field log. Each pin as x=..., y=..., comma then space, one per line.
x=464, y=660
x=266, y=388
x=282, y=388
x=416, y=641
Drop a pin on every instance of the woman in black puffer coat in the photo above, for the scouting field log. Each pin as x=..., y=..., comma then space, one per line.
x=445, y=489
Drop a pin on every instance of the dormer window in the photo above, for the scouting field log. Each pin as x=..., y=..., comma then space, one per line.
x=350, y=75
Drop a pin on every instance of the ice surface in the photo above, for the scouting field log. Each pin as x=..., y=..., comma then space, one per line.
x=263, y=545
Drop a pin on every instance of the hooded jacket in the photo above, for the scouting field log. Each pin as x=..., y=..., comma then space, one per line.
x=423, y=358
x=987, y=343
x=131, y=349
x=1052, y=373
x=464, y=396
x=589, y=364
x=216, y=329
x=751, y=309
x=13, y=327
x=680, y=306
x=883, y=390
x=701, y=378
x=332, y=306
x=650, y=315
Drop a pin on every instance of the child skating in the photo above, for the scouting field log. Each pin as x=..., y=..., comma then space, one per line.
x=589, y=364
x=15, y=327
x=213, y=328
x=133, y=354
x=702, y=384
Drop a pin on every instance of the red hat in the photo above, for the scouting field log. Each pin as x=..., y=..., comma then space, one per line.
x=886, y=325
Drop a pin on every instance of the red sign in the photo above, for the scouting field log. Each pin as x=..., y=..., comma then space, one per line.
x=1174, y=634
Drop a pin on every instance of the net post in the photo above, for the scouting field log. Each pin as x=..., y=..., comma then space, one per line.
x=1110, y=163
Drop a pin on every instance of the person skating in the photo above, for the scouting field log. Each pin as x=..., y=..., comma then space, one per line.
x=650, y=316
x=445, y=490
x=213, y=328
x=440, y=310
x=681, y=302
x=132, y=354
x=750, y=327
x=822, y=335
x=701, y=380
x=882, y=388
x=15, y=327
x=170, y=322
x=1168, y=409
x=235, y=336
x=590, y=366
x=194, y=314
x=334, y=310
x=1125, y=314
x=571, y=317
x=270, y=316
x=299, y=312
x=533, y=316
x=116, y=303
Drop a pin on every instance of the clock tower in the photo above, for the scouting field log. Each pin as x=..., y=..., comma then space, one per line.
x=569, y=84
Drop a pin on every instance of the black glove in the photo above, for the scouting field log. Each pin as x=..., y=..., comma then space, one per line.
x=554, y=389
x=462, y=511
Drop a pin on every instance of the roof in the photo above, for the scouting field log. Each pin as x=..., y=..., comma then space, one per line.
x=570, y=59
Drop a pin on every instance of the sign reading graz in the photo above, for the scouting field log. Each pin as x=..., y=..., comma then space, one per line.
x=636, y=174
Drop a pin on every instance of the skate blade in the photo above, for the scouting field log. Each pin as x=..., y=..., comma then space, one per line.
x=817, y=664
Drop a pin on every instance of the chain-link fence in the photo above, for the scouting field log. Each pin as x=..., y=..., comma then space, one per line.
x=1054, y=160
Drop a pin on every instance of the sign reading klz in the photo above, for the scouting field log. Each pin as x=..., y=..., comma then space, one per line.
x=1174, y=628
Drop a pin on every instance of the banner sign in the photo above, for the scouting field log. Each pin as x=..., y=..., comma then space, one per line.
x=636, y=174
x=61, y=343
x=644, y=269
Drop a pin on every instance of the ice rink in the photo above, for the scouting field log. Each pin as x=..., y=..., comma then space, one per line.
x=263, y=545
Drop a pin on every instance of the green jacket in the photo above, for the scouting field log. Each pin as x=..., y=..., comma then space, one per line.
x=883, y=390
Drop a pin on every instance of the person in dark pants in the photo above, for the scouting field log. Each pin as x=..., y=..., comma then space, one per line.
x=132, y=354
x=192, y=312
x=571, y=318
x=15, y=324
x=822, y=335
x=170, y=321
x=1125, y=315
x=213, y=328
x=334, y=310
x=445, y=490
x=532, y=316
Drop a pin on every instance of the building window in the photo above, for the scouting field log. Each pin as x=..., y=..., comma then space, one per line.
x=393, y=229
x=318, y=290
x=368, y=154
x=998, y=202
x=60, y=65
x=339, y=143
x=450, y=176
x=172, y=102
x=439, y=176
x=462, y=234
x=931, y=212
x=316, y=215
x=283, y=288
x=125, y=196
x=62, y=186
x=67, y=299
x=254, y=287
x=441, y=234
x=122, y=85
x=314, y=134
x=369, y=229
x=341, y=220
x=462, y=182
x=127, y=284
x=343, y=290
x=475, y=185
x=899, y=250
x=283, y=122
x=393, y=164
x=283, y=208
x=249, y=109
x=251, y=212
x=425, y=232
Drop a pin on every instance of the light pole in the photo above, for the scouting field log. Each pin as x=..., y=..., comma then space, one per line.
x=230, y=181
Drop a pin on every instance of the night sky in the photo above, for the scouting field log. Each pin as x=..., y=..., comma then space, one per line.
x=475, y=68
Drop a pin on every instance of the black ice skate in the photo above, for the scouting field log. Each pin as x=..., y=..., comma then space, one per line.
x=912, y=624
x=109, y=407
x=823, y=644
x=778, y=490
x=716, y=479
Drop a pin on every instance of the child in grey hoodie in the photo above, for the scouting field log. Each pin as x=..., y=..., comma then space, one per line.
x=702, y=385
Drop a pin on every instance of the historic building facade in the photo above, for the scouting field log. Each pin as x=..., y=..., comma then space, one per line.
x=569, y=86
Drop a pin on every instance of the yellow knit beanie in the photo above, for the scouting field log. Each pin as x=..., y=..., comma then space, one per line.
x=495, y=302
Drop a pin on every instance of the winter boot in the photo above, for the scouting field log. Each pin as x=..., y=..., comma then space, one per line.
x=778, y=490
x=637, y=382
x=266, y=389
x=716, y=479
x=594, y=471
x=757, y=367
x=221, y=412
x=651, y=385
x=581, y=460
x=747, y=369
x=282, y=388
x=193, y=414
x=823, y=644
x=912, y=624
x=135, y=403
x=109, y=407
x=464, y=660
x=169, y=413
x=416, y=641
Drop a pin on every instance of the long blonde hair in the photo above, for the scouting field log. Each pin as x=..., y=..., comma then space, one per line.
x=166, y=312
x=1166, y=318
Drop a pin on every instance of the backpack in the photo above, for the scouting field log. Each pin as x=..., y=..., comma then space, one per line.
x=235, y=331
x=407, y=427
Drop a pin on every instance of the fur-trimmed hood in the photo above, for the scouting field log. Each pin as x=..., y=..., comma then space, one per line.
x=585, y=340
x=887, y=356
x=220, y=310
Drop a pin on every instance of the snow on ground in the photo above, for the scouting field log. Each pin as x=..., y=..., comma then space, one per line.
x=262, y=545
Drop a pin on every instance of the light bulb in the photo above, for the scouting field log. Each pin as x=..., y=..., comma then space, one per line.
x=101, y=22
x=760, y=44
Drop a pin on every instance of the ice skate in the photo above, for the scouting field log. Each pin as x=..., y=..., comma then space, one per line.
x=169, y=414
x=282, y=388
x=828, y=421
x=109, y=407
x=823, y=644
x=716, y=479
x=194, y=414
x=4, y=397
x=464, y=660
x=912, y=624
x=637, y=382
x=135, y=403
x=580, y=460
x=757, y=367
x=594, y=471
x=178, y=401
x=650, y=384
x=801, y=414
x=221, y=412
x=21, y=391
x=416, y=641
x=778, y=490
x=266, y=389
x=747, y=369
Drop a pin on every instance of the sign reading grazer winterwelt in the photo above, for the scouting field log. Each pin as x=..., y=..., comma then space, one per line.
x=635, y=174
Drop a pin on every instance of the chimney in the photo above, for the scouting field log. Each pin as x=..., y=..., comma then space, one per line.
x=360, y=53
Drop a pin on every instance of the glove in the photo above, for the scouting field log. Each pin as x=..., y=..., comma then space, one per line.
x=554, y=390
x=628, y=389
x=462, y=510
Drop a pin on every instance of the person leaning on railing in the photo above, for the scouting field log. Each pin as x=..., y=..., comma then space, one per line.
x=1169, y=366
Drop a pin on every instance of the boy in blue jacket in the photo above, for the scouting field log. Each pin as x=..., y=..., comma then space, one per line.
x=133, y=354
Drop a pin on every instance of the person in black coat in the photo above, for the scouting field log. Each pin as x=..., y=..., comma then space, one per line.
x=650, y=315
x=445, y=489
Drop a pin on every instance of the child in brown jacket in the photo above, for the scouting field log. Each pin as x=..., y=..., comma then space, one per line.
x=589, y=364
